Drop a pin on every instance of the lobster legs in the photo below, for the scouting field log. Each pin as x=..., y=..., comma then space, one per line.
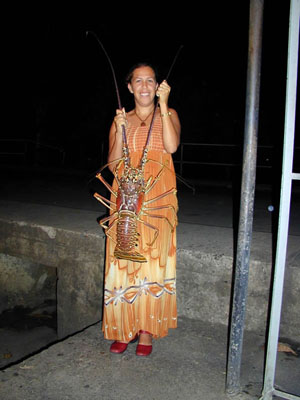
x=130, y=208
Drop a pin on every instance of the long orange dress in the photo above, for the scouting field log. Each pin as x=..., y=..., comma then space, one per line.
x=142, y=296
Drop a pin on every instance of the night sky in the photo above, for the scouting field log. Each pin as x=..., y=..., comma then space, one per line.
x=61, y=89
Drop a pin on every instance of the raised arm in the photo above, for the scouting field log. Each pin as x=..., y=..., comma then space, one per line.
x=115, y=137
x=170, y=120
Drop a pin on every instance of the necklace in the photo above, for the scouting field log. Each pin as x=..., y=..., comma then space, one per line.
x=143, y=123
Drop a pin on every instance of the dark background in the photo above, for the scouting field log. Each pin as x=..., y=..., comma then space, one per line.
x=61, y=98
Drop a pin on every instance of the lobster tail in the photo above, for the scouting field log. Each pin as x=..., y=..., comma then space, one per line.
x=127, y=238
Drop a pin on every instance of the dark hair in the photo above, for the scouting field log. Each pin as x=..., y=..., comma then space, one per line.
x=139, y=65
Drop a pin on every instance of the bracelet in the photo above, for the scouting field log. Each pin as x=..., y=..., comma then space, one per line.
x=168, y=113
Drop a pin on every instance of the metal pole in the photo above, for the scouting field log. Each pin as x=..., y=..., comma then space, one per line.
x=247, y=198
x=284, y=209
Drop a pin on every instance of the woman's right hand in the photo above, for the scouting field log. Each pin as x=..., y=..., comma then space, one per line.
x=116, y=137
x=120, y=120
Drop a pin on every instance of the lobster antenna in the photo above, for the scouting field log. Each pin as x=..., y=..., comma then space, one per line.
x=156, y=105
x=111, y=66
x=125, y=147
x=172, y=65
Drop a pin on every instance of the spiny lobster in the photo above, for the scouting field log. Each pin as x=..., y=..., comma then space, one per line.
x=130, y=204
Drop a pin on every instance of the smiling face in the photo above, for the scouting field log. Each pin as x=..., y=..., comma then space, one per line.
x=143, y=85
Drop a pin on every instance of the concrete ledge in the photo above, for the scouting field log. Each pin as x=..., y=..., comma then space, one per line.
x=205, y=262
x=71, y=241
x=70, y=245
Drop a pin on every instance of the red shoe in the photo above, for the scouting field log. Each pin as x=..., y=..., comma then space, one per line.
x=120, y=347
x=144, y=349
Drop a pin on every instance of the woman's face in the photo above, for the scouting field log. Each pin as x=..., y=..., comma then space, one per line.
x=143, y=85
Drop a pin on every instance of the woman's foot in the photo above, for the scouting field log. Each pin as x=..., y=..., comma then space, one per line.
x=144, y=348
x=119, y=347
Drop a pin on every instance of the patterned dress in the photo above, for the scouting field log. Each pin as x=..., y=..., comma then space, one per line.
x=142, y=296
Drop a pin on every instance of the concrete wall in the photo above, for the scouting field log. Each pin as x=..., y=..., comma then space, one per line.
x=74, y=244
x=77, y=255
x=25, y=283
x=205, y=262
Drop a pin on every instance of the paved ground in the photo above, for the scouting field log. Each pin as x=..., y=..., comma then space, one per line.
x=189, y=363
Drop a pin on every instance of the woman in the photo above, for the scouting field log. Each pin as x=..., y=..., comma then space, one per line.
x=140, y=298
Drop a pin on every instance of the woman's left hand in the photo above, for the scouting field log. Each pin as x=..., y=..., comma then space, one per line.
x=163, y=92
